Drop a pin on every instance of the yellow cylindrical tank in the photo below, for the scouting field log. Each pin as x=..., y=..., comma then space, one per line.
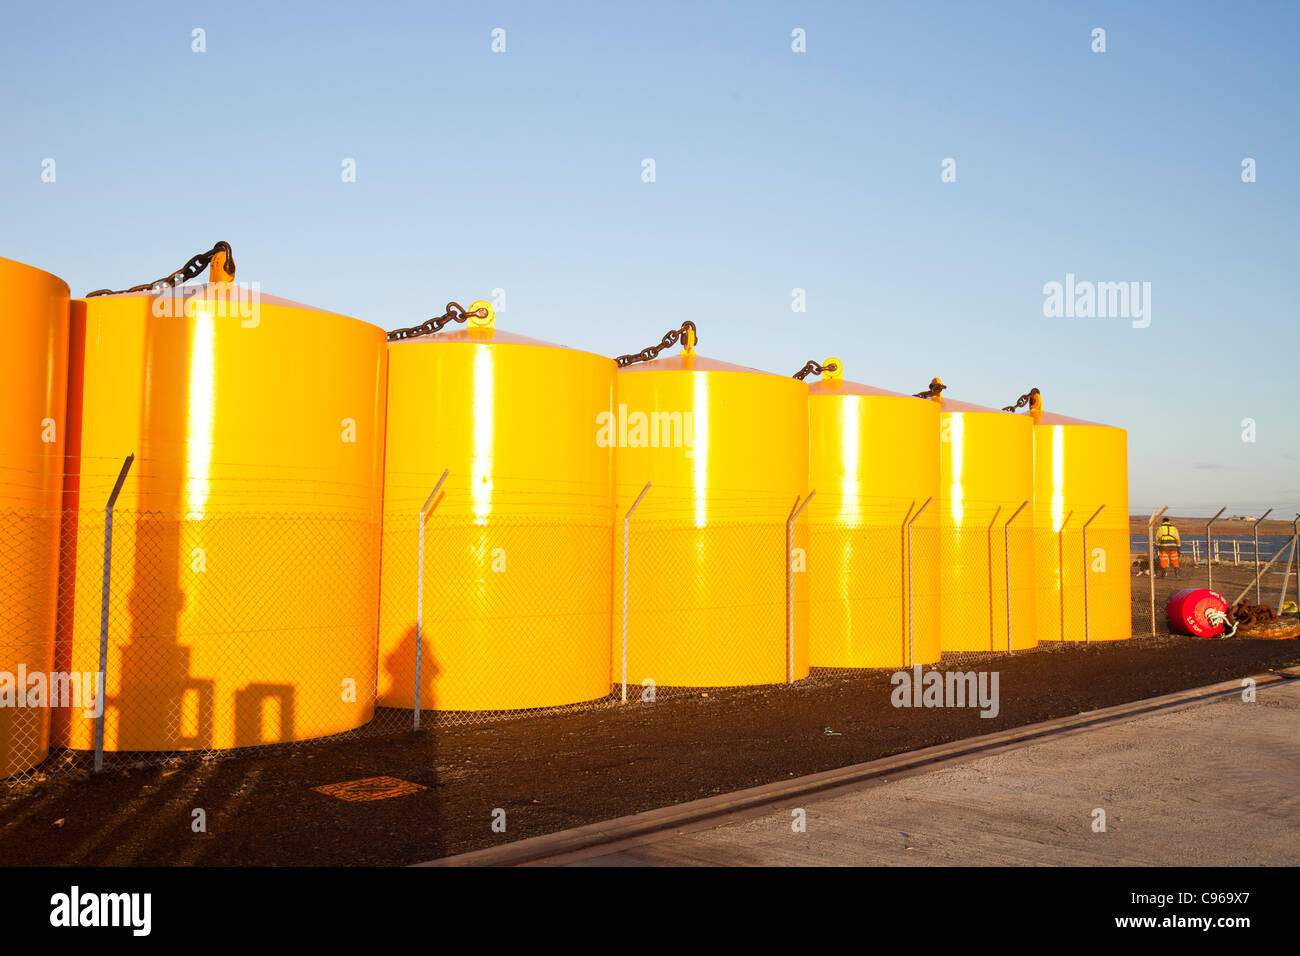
x=874, y=464
x=1080, y=467
x=517, y=547
x=245, y=566
x=33, y=390
x=986, y=479
x=725, y=450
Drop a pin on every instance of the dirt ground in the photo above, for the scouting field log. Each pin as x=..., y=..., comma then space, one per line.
x=557, y=771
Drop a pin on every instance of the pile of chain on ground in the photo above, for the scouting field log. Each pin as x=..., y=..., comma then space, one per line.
x=1247, y=614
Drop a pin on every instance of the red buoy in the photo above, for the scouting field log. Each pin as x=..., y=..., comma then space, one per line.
x=1188, y=611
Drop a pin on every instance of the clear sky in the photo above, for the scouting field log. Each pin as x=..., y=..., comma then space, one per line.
x=774, y=171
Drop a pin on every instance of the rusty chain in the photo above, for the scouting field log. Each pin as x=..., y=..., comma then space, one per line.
x=455, y=313
x=184, y=274
x=812, y=368
x=1022, y=401
x=650, y=352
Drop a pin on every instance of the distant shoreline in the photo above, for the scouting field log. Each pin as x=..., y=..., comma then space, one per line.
x=1196, y=526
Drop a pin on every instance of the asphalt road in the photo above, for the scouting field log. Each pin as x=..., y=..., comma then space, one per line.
x=1216, y=784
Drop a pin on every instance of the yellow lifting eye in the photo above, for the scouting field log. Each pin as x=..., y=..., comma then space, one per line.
x=219, y=271
x=832, y=374
x=482, y=322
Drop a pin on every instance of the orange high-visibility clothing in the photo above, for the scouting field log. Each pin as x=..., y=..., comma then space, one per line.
x=1168, y=543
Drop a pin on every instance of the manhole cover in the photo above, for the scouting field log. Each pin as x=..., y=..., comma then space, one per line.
x=372, y=788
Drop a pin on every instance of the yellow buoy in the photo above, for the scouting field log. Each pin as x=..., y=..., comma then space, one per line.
x=986, y=479
x=1080, y=477
x=874, y=464
x=33, y=389
x=245, y=566
x=517, y=584
x=724, y=449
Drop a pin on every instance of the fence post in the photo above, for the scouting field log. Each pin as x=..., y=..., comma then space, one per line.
x=1006, y=547
x=1286, y=578
x=626, y=528
x=1087, y=633
x=992, y=521
x=911, y=657
x=102, y=704
x=1151, y=562
x=1295, y=536
x=419, y=596
x=1209, y=550
x=902, y=568
x=1255, y=531
x=1060, y=567
x=789, y=584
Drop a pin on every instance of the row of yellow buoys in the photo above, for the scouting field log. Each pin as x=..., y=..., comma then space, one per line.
x=284, y=455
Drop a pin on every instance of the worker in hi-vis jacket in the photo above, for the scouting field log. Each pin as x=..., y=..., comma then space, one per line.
x=1168, y=544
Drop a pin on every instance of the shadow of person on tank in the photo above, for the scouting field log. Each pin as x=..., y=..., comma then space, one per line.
x=399, y=666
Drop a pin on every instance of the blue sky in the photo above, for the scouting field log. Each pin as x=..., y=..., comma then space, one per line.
x=774, y=171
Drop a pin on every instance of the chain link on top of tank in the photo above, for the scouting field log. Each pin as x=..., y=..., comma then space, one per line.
x=650, y=352
x=812, y=368
x=184, y=274
x=935, y=388
x=1022, y=401
x=455, y=313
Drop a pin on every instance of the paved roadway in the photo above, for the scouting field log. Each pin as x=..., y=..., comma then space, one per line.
x=1217, y=783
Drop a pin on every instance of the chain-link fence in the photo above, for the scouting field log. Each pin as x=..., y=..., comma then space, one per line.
x=29, y=582
x=513, y=615
x=872, y=575
x=205, y=634
x=1247, y=559
x=231, y=629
